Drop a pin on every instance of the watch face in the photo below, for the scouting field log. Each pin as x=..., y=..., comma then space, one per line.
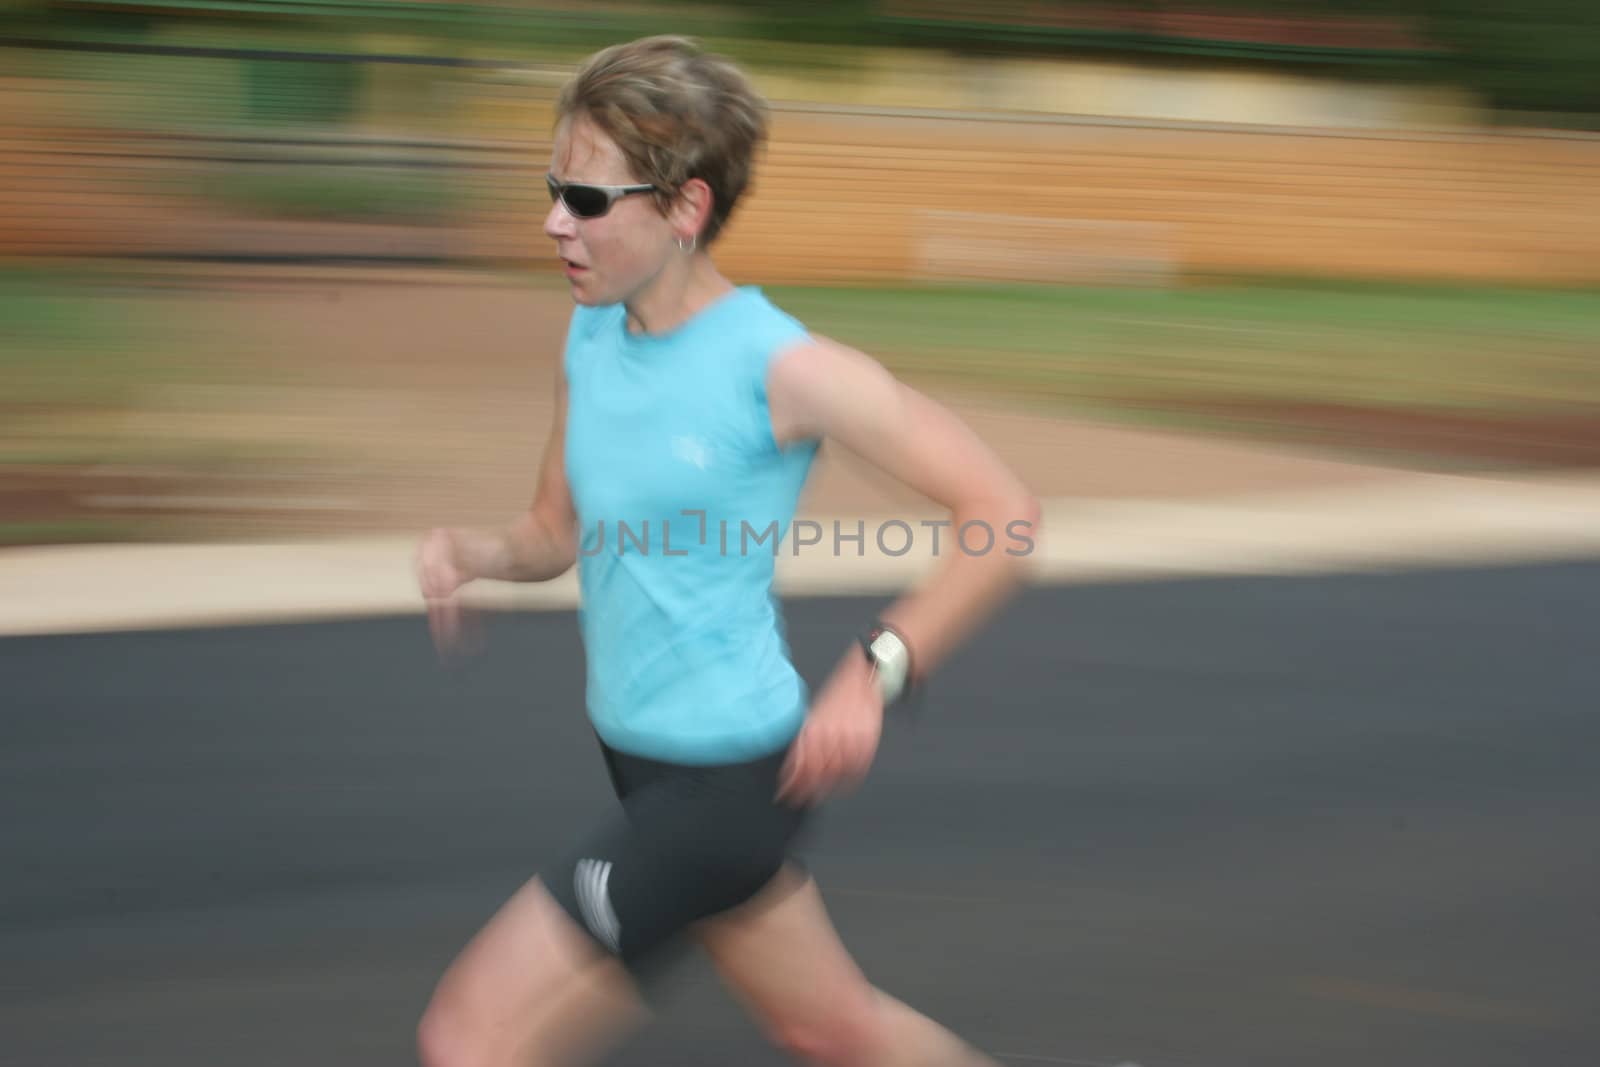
x=892, y=659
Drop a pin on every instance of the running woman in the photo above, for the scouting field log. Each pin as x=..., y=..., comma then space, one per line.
x=689, y=411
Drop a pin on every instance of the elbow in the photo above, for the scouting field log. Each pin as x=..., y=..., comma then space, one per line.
x=1021, y=509
x=564, y=553
x=547, y=547
x=1029, y=510
x=1011, y=523
x=1025, y=519
x=563, y=541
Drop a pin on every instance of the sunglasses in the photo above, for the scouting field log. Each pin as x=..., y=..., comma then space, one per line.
x=590, y=201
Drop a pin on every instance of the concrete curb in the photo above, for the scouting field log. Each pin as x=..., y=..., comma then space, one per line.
x=1403, y=522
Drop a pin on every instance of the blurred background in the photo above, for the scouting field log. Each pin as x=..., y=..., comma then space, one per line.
x=274, y=267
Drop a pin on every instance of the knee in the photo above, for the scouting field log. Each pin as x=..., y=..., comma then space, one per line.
x=445, y=1038
x=437, y=1039
x=851, y=1034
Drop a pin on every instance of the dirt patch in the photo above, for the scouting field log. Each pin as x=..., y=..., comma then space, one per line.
x=101, y=504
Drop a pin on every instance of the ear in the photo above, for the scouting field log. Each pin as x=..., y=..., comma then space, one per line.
x=691, y=211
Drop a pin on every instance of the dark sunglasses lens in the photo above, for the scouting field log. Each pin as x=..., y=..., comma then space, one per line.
x=585, y=201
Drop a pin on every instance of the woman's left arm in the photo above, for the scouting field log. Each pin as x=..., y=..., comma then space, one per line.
x=821, y=389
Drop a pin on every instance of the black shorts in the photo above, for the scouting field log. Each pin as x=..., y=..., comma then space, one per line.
x=690, y=842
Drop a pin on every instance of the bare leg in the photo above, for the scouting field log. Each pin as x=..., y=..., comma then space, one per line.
x=529, y=990
x=783, y=959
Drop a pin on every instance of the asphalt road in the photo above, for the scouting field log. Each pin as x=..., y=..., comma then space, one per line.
x=1288, y=821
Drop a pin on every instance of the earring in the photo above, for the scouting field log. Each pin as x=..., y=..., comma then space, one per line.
x=690, y=246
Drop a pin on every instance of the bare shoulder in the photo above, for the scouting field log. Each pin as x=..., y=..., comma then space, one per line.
x=821, y=389
x=816, y=387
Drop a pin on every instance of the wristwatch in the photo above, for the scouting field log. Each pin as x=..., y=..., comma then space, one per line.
x=890, y=658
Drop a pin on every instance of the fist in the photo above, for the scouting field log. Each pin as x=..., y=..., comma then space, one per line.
x=440, y=572
x=839, y=740
x=439, y=569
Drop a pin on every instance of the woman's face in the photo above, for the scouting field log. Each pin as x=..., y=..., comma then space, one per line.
x=607, y=259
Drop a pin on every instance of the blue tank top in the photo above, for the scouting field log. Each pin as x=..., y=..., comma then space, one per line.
x=683, y=498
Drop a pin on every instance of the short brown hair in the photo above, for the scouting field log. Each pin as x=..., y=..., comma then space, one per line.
x=677, y=112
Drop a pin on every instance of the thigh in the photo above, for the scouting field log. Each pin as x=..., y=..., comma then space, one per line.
x=783, y=959
x=529, y=988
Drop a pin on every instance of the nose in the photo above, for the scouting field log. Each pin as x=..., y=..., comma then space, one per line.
x=559, y=223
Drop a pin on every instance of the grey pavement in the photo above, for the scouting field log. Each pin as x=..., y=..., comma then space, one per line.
x=1308, y=820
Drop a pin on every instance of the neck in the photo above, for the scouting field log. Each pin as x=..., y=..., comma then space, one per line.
x=674, y=295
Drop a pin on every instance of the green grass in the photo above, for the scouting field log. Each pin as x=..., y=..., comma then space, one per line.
x=77, y=339
x=73, y=531
x=88, y=337
x=80, y=350
x=1397, y=346
x=61, y=342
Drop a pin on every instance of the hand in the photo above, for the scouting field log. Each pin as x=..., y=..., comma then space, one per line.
x=440, y=573
x=840, y=737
